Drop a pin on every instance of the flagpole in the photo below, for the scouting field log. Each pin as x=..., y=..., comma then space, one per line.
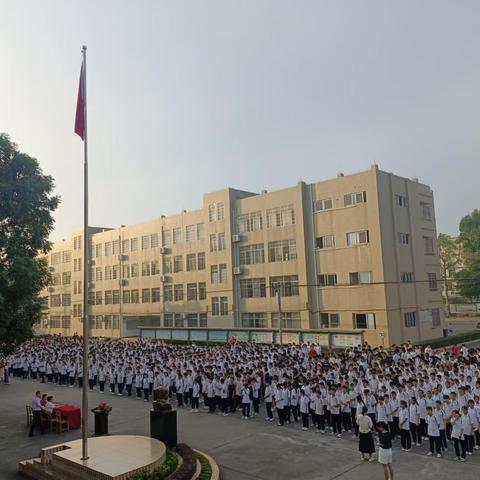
x=86, y=257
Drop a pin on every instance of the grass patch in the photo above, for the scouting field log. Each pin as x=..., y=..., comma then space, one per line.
x=206, y=471
x=163, y=471
x=451, y=340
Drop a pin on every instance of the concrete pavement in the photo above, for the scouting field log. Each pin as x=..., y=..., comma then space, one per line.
x=244, y=449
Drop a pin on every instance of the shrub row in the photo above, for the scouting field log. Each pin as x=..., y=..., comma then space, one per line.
x=451, y=340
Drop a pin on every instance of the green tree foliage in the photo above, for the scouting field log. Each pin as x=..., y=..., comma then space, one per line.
x=450, y=262
x=469, y=276
x=26, y=206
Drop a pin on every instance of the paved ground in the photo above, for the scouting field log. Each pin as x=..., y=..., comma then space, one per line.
x=245, y=449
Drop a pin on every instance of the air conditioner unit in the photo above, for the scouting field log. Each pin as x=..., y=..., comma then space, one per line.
x=91, y=285
x=122, y=258
x=163, y=250
x=165, y=279
x=51, y=289
x=91, y=263
x=51, y=269
x=123, y=282
x=236, y=238
x=237, y=270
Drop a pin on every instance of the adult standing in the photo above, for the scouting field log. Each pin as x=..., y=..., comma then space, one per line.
x=365, y=439
x=37, y=414
x=385, y=450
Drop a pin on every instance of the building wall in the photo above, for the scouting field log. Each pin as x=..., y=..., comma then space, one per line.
x=331, y=247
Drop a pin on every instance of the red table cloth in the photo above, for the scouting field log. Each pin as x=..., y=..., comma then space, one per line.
x=70, y=413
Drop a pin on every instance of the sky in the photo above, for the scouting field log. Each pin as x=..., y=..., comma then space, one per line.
x=188, y=97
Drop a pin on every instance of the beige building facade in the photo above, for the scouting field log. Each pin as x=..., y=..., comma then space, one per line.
x=354, y=254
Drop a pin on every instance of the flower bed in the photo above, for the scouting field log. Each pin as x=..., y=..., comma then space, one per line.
x=163, y=472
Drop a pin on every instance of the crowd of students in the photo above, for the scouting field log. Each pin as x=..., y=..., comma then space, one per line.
x=413, y=392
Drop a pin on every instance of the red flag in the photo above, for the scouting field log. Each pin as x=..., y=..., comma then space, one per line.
x=80, y=115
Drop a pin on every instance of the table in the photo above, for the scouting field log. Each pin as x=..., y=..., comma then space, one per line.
x=70, y=413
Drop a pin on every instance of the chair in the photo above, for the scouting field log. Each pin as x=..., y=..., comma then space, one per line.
x=51, y=421
x=29, y=415
x=60, y=423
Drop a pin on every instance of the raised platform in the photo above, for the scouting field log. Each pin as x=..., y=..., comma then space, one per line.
x=113, y=457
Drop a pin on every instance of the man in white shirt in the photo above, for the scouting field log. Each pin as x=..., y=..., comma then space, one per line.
x=37, y=414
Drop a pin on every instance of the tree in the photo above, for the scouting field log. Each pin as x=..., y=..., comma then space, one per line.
x=469, y=276
x=450, y=261
x=26, y=206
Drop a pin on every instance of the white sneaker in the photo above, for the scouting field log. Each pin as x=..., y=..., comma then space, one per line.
x=339, y=435
x=438, y=455
x=429, y=454
x=462, y=459
x=457, y=458
x=304, y=428
x=418, y=444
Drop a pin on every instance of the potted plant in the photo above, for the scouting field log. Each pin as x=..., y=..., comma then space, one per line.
x=101, y=412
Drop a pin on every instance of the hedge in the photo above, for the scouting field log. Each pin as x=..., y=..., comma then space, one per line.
x=163, y=471
x=451, y=340
x=206, y=472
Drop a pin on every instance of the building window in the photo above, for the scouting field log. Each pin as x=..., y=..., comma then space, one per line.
x=145, y=295
x=77, y=310
x=77, y=287
x=327, y=279
x=66, y=299
x=254, y=320
x=191, y=291
x=357, y=238
x=77, y=242
x=192, y=320
x=56, y=279
x=280, y=216
x=407, y=277
x=55, y=301
x=98, y=298
x=115, y=247
x=98, y=250
x=66, y=256
x=213, y=274
x=213, y=243
x=91, y=298
x=288, y=286
x=145, y=242
x=327, y=241
x=98, y=274
x=178, y=293
x=107, y=322
x=168, y=320
x=249, y=222
x=115, y=272
x=201, y=261
x=190, y=233
x=177, y=235
x=77, y=264
x=329, y=320
x=115, y=297
x=403, y=238
x=55, y=258
x=365, y=321
x=432, y=282
x=108, y=297
x=436, y=319
x=134, y=270
x=134, y=296
x=410, y=319
x=167, y=293
x=202, y=291
x=177, y=263
x=125, y=246
x=108, y=249
x=252, y=288
x=191, y=262
x=401, y=200
x=166, y=238
x=145, y=269
x=321, y=205
x=354, y=198
x=154, y=268
x=216, y=211
x=154, y=240
x=282, y=250
x=428, y=243
x=223, y=273
x=66, y=323
x=55, y=322
x=126, y=296
x=134, y=244
x=215, y=306
x=289, y=320
x=252, y=254
x=426, y=211
x=167, y=264
x=358, y=278
x=222, y=245
x=179, y=321
x=203, y=320
x=200, y=231
x=223, y=305
x=66, y=278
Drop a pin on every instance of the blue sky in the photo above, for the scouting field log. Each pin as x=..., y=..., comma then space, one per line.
x=193, y=96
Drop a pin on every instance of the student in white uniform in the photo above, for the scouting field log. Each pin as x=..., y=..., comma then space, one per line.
x=246, y=401
x=304, y=402
x=458, y=436
x=404, y=426
x=195, y=395
x=268, y=398
x=433, y=432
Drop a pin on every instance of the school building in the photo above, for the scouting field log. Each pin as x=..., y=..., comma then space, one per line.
x=356, y=254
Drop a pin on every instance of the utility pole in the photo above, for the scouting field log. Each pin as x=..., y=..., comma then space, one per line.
x=279, y=304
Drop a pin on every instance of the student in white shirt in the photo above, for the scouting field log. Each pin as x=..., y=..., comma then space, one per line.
x=467, y=430
x=414, y=418
x=458, y=436
x=268, y=397
x=246, y=401
x=195, y=395
x=304, y=410
x=433, y=432
x=404, y=425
